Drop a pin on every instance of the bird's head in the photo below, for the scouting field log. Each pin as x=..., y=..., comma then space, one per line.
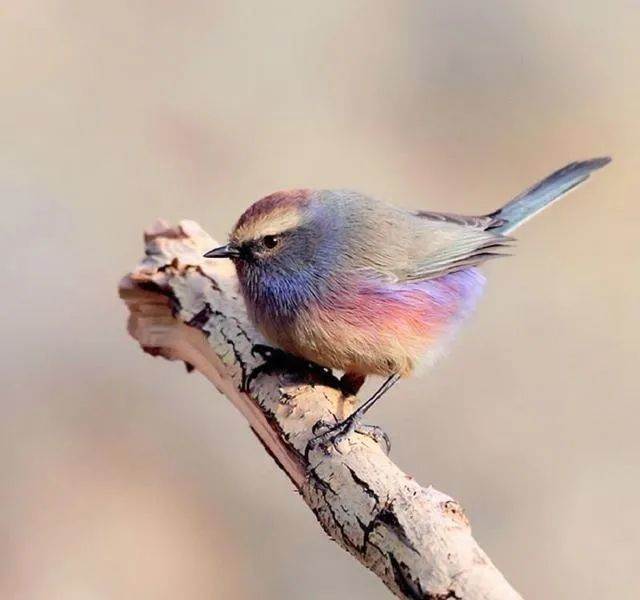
x=281, y=236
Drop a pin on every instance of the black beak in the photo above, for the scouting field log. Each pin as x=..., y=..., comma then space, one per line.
x=227, y=251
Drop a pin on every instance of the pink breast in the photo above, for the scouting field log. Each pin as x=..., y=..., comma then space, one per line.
x=420, y=310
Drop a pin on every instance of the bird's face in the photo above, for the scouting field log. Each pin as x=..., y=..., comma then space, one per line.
x=276, y=244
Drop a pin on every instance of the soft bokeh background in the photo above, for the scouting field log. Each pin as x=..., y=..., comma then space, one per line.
x=121, y=476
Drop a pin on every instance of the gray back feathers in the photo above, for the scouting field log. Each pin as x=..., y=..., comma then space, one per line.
x=415, y=246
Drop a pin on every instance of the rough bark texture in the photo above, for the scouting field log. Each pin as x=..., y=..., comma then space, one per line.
x=417, y=540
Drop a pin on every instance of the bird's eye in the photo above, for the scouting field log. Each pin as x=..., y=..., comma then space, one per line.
x=271, y=241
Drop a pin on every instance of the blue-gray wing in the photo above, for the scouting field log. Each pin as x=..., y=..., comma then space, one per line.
x=479, y=222
x=447, y=243
x=405, y=246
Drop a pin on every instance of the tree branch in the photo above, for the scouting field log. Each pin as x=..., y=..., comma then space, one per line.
x=417, y=540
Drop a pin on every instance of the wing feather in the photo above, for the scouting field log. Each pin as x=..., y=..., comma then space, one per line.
x=448, y=245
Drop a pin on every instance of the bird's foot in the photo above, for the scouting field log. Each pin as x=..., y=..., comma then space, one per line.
x=276, y=359
x=377, y=434
x=326, y=435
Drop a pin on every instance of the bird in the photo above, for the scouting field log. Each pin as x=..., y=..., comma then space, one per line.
x=348, y=282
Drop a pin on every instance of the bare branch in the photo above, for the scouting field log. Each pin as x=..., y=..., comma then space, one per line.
x=417, y=540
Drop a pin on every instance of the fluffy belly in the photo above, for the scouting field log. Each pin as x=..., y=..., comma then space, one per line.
x=380, y=328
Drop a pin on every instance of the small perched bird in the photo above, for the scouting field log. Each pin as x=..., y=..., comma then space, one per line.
x=356, y=284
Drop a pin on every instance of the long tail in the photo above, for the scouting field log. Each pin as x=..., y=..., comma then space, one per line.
x=542, y=194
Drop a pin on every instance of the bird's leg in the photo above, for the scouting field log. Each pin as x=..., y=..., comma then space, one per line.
x=388, y=383
x=352, y=422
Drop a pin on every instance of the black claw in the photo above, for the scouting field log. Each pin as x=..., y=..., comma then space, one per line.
x=319, y=426
x=276, y=359
x=377, y=434
x=339, y=431
x=267, y=353
x=327, y=433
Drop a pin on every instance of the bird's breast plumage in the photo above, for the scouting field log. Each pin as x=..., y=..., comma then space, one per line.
x=363, y=324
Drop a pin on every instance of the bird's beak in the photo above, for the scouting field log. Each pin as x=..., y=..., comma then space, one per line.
x=227, y=251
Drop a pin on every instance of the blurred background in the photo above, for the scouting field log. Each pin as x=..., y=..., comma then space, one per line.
x=121, y=476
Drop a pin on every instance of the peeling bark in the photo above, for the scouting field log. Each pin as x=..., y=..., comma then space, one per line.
x=416, y=540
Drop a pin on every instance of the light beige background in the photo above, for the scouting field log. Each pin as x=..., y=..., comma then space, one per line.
x=121, y=476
